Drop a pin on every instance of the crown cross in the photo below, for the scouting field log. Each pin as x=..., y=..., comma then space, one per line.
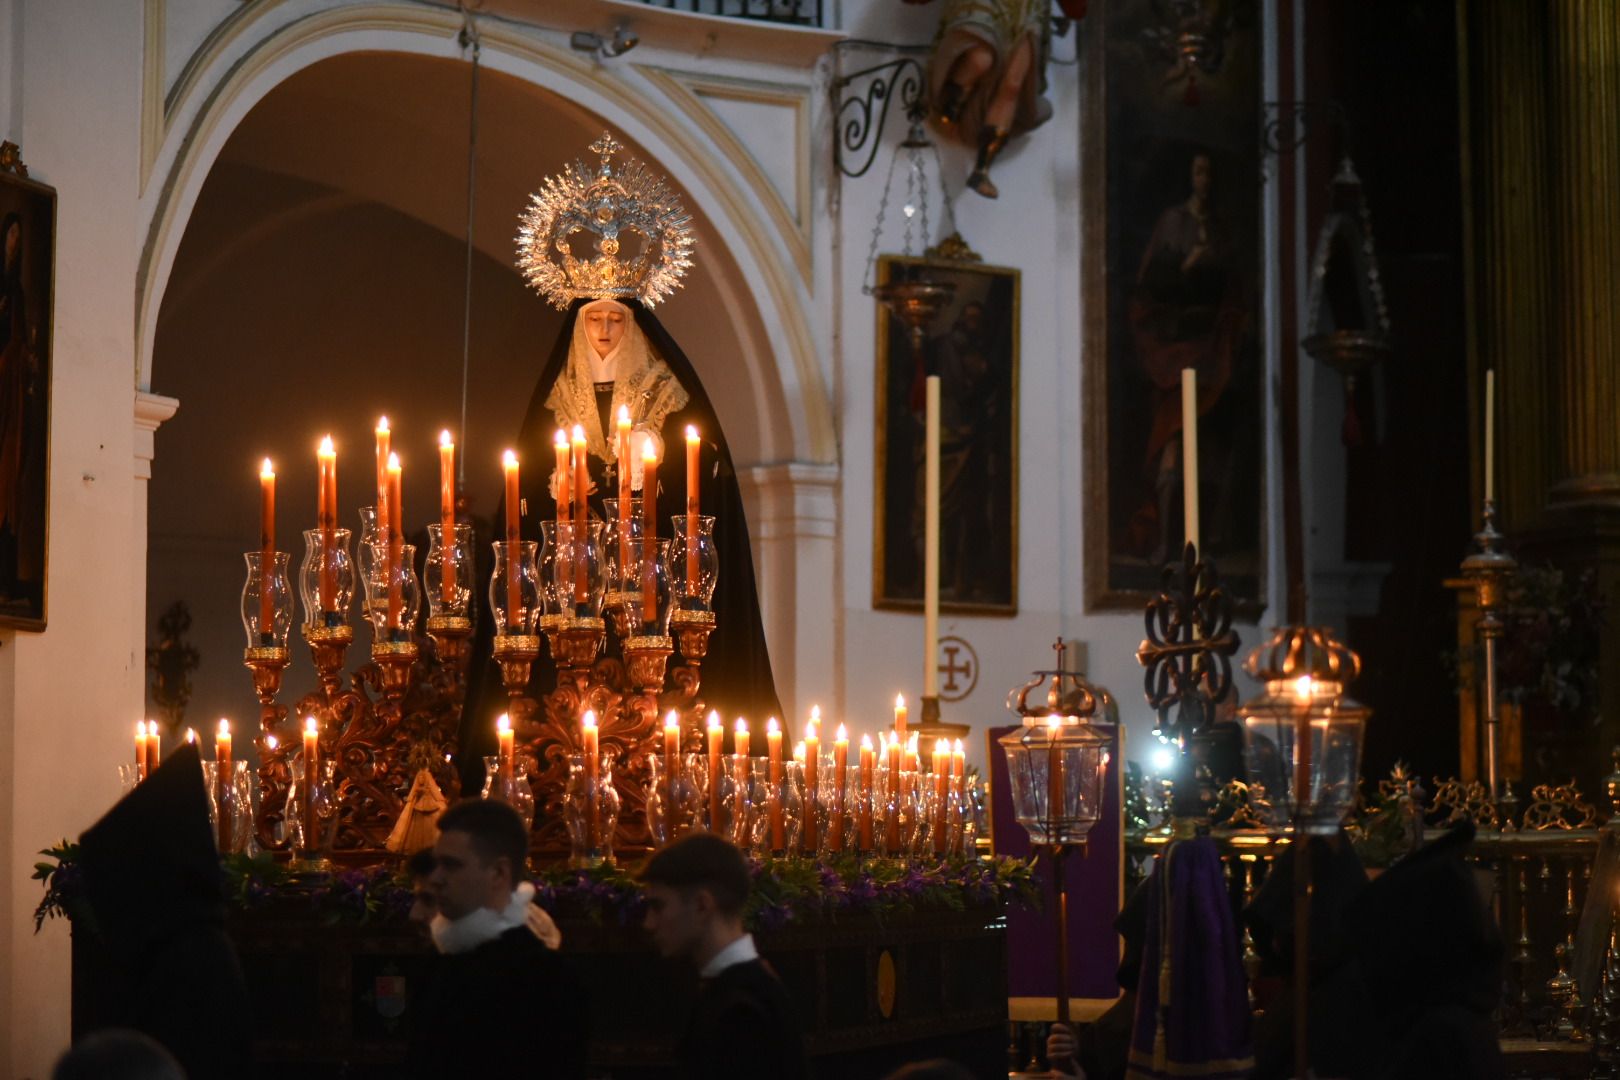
x=606, y=146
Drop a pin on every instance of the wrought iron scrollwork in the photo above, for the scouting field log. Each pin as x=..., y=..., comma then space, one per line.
x=1188, y=650
x=862, y=115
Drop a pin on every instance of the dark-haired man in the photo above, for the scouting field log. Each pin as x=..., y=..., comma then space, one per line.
x=742, y=1025
x=499, y=1002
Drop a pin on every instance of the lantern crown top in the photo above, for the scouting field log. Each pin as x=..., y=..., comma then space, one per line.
x=1068, y=695
x=603, y=206
x=1297, y=652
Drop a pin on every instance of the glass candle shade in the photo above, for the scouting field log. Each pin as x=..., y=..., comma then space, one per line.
x=778, y=808
x=675, y=804
x=267, y=594
x=326, y=582
x=449, y=573
x=694, y=563
x=591, y=809
x=514, y=588
x=1056, y=772
x=234, y=799
x=737, y=801
x=580, y=569
x=309, y=821
x=369, y=551
x=1302, y=744
x=393, y=595
x=623, y=540
x=515, y=790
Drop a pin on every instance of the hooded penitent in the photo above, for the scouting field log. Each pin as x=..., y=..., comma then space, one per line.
x=153, y=880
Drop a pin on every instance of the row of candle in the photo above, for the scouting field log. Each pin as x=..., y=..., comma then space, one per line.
x=573, y=482
x=902, y=757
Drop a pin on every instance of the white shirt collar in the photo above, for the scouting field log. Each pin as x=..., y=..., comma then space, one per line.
x=605, y=368
x=738, y=952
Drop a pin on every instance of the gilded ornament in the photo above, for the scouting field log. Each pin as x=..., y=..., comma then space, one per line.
x=585, y=208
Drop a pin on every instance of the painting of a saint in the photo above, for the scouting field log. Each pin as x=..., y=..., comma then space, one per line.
x=1173, y=181
x=27, y=222
x=972, y=347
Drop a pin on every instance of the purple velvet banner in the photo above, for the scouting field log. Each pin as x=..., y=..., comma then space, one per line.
x=1095, y=880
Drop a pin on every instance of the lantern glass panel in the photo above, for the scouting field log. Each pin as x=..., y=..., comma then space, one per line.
x=1328, y=759
x=1056, y=773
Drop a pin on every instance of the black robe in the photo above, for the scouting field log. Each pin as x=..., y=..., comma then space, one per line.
x=743, y=1028
x=509, y=1008
x=736, y=674
x=153, y=880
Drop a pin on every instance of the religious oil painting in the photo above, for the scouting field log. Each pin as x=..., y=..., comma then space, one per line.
x=27, y=245
x=1172, y=279
x=971, y=343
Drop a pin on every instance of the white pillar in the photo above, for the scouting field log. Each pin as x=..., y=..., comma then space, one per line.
x=151, y=410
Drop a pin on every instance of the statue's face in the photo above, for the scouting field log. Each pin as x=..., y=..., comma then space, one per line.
x=604, y=326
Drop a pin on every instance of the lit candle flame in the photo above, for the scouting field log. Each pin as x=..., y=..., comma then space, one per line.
x=579, y=434
x=899, y=701
x=649, y=451
x=957, y=749
x=561, y=440
x=843, y=735
x=714, y=720
x=503, y=723
x=382, y=425
x=393, y=462
x=267, y=471
x=509, y=459
x=191, y=735
x=691, y=434
x=326, y=449
x=152, y=728
x=772, y=727
x=672, y=721
x=444, y=438
x=1302, y=688
x=310, y=726
x=224, y=726
x=624, y=416
x=866, y=741
x=588, y=722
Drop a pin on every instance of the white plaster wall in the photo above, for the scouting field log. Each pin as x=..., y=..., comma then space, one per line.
x=66, y=696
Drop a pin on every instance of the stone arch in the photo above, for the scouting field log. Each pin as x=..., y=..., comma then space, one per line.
x=262, y=47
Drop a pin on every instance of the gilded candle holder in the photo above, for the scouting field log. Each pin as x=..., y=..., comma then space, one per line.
x=267, y=663
x=452, y=641
x=516, y=653
x=618, y=607
x=327, y=647
x=395, y=661
x=646, y=659
x=579, y=642
x=691, y=630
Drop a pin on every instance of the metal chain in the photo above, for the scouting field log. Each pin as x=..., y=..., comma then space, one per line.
x=877, y=230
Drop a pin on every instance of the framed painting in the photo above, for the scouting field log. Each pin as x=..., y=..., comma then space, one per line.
x=1172, y=278
x=27, y=285
x=972, y=345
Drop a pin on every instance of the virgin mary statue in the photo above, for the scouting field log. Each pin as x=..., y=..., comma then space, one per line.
x=611, y=354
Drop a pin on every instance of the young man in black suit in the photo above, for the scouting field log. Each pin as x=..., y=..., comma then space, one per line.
x=499, y=1002
x=742, y=1024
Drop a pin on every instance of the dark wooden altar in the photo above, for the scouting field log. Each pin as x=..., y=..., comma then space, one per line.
x=334, y=1000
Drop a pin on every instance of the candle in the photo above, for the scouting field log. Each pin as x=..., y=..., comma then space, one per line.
x=505, y=746
x=672, y=765
x=1490, y=434
x=1189, y=452
x=693, y=445
x=154, y=744
x=773, y=800
x=891, y=808
x=864, y=808
x=812, y=776
x=326, y=519
x=565, y=510
x=447, y=517
x=913, y=759
x=739, y=738
x=582, y=509
x=396, y=543
x=626, y=474
x=649, y=532
x=593, y=768
x=739, y=779
x=514, y=554
x=942, y=779
x=384, y=438
x=717, y=735
x=312, y=764
x=835, y=830
x=267, y=551
x=959, y=767
x=140, y=750
x=1054, y=777
x=900, y=716
x=931, y=540
x=222, y=783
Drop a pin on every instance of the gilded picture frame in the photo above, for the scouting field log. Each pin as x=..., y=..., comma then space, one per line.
x=972, y=344
x=27, y=296
x=1172, y=274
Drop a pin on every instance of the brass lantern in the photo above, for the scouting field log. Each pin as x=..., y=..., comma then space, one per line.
x=1056, y=766
x=1303, y=734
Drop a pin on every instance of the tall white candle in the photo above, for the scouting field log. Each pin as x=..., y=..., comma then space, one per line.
x=931, y=543
x=1490, y=434
x=1189, y=453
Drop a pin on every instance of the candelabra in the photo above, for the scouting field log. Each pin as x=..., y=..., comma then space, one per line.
x=1489, y=567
